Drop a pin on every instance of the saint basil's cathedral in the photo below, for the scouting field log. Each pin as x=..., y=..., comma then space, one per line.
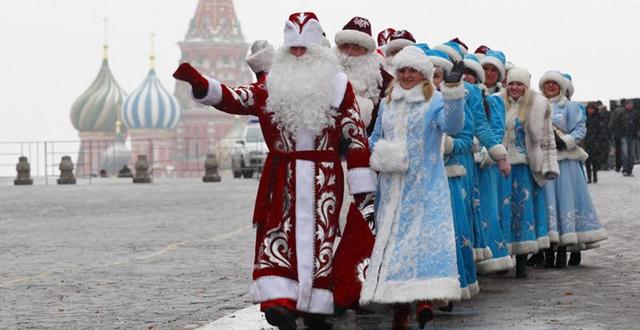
x=173, y=131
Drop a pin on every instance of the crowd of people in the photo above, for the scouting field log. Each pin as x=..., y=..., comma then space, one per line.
x=456, y=166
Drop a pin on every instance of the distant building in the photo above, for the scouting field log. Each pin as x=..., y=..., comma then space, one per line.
x=173, y=131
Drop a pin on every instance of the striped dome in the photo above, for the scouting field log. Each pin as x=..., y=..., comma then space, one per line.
x=151, y=106
x=96, y=110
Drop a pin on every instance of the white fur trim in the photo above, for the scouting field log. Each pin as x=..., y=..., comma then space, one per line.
x=568, y=239
x=410, y=291
x=475, y=147
x=262, y=59
x=480, y=254
x=524, y=247
x=498, y=152
x=576, y=153
x=494, y=265
x=355, y=37
x=487, y=253
x=456, y=170
x=553, y=75
x=412, y=95
x=569, y=140
x=465, y=293
x=495, y=62
x=590, y=237
x=544, y=242
x=389, y=156
x=267, y=288
x=396, y=45
x=214, y=93
x=444, y=64
x=361, y=180
x=485, y=158
x=413, y=57
x=475, y=67
x=339, y=87
x=452, y=92
x=305, y=220
x=554, y=236
x=518, y=158
x=311, y=34
x=449, y=51
x=448, y=144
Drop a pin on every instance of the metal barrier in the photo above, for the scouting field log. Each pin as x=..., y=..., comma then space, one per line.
x=168, y=157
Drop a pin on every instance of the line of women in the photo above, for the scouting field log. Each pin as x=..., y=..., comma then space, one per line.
x=471, y=175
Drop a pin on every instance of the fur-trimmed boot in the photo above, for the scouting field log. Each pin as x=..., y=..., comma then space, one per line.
x=561, y=258
x=424, y=313
x=549, y=258
x=521, y=265
x=575, y=258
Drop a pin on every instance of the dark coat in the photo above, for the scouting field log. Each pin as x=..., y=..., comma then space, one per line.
x=624, y=123
x=597, y=139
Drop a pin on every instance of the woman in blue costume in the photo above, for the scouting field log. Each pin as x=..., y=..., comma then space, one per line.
x=531, y=146
x=572, y=219
x=414, y=256
x=488, y=173
x=456, y=148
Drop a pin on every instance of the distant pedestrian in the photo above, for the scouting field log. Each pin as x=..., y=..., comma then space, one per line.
x=596, y=141
x=626, y=123
x=615, y=133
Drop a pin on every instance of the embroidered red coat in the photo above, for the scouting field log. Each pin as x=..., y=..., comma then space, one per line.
x=300, y=194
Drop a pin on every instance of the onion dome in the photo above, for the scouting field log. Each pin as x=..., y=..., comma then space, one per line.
x=150, y=105
x=96, y=110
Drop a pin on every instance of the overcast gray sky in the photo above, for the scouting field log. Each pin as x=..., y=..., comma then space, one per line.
x=52, y=49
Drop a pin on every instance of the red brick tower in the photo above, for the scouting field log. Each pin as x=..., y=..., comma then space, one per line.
x=214, y=44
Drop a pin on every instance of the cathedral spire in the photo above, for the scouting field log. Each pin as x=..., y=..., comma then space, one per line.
x=215, y=21
x=152, y=56
x=105, y=46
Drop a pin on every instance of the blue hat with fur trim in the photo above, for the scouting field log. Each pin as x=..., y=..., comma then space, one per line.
x=557, y=77
x=423, y=46
x=497, y=59
x=452, y=49
x=570, y=88
x=472, y=63
x=439, y=59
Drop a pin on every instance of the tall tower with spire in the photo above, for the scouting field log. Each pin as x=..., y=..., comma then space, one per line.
x=95, y=114
x=215, y=45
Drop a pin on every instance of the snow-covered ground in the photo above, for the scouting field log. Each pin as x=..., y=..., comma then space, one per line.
x=177, y=254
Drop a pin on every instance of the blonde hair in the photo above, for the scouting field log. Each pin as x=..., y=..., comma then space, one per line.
x=427, y=91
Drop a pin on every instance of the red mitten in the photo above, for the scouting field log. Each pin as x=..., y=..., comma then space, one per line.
x=199, y=84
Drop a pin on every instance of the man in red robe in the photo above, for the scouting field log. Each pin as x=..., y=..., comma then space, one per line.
x=305, y=106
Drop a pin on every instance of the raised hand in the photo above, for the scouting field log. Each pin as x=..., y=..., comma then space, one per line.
x=199, y=84
x=456, y=73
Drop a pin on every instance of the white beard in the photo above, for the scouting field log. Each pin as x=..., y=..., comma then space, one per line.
x=301, y=89
x=364, y=73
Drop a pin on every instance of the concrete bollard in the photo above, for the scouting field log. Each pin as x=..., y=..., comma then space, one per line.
x=24, y=172
x=125, y=172
x=66, y=171
x=142, y=170
x=211, y=169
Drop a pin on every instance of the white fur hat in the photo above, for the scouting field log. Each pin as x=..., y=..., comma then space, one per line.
x=520, y=75
x=497, y=59
x=413, y=57
x=261, y=57
x=399, y=39
x=472, y=62
x=553, y=75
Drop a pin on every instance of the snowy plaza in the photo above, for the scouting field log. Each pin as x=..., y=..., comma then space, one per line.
x=177, y=254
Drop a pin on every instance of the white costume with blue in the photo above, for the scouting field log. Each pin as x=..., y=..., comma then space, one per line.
x=414, y=257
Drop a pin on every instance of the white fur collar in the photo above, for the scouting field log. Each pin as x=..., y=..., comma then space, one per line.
x=412, y=95
x=560, y=99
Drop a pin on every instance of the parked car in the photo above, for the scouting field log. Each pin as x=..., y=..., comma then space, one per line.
x=249, y=152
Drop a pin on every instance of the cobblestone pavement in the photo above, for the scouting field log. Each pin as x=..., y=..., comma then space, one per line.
x=177, y=254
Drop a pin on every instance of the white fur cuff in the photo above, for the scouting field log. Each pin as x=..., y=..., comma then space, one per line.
x=448, y=144
x=569, y=141
x=452, y=93
x=361, y=180
x=389, y=156
x=454, y=171
x=261, y=60
x=498, y=152
x=214, y=94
